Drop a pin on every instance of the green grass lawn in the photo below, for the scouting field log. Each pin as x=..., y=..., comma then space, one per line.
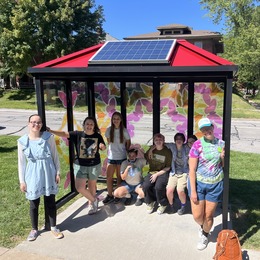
x=244, y=197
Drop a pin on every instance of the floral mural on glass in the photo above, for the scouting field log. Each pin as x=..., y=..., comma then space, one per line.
x=208, y=102
x=174, y=104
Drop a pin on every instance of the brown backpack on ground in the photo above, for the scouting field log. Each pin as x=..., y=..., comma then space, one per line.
x=228, y=246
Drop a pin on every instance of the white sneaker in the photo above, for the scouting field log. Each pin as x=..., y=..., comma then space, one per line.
x=203, y=242
x=93, y=207
x=161, y=209
x=150, y=207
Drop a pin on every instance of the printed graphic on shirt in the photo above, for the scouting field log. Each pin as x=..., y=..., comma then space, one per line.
x=133, y=171
x=159, y=158
x=88, y=147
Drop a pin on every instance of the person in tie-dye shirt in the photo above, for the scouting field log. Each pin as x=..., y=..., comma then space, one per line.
x=205, y=185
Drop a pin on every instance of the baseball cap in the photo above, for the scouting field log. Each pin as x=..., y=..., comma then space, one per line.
x=204, y=122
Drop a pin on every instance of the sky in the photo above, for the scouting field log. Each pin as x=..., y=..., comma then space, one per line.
x=126, y=18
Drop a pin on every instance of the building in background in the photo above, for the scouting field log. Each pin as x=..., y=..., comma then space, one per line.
x=207, y=40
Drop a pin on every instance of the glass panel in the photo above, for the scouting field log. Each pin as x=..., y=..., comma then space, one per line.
x=173, y=109
x=139, y=99
x=208, y=102
x=55, y=99
x=79, y=103
x=107, y=99
x=56, y=118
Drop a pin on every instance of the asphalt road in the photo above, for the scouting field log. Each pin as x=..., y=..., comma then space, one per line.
x=245, y=133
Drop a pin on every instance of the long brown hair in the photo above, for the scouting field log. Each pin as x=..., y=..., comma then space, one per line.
x=121, y=128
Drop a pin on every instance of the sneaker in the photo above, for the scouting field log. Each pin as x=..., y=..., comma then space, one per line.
x=108, y=199
x=150, y=207
x=203, y=242
x=171, y=207
x=161, y=209
x=139, y=202
x=33, y=235
x=181, y=211
x=128, y=201
x=117, y=200
x=57, y=234
x=93, y=207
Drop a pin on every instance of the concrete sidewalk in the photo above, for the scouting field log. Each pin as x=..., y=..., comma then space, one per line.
x=120, y=232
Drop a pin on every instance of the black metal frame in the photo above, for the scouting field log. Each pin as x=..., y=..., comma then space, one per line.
x=137, y=73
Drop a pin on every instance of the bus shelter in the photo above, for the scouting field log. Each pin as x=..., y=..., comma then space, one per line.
x=162, y=86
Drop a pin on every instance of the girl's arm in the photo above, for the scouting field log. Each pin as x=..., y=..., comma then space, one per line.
x=127, y=138
x=125, y=173
x=193, y=163
x=222, y=156
x=127, y=144
x=155, y=175
x=58, y=133
x=102, y=145
x=21, y=167
x=150, y=152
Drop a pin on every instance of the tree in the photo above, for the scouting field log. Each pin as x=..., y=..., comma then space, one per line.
x=242, y=38
x=35, y=31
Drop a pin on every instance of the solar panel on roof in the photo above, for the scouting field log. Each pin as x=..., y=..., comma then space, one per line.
x=124, y=52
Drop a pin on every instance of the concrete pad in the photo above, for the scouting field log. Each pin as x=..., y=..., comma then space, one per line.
x=123, y=232
x=119, y=232
x=17, y=254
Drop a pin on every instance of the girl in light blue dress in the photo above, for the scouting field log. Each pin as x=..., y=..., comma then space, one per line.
x=39, y=174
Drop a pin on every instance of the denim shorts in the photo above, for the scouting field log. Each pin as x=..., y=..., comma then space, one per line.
x=117, y=162
x=209, y=192
x=87, y=172
x=130, y=188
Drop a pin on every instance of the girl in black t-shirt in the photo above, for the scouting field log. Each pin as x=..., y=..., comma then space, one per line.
x=87, y=163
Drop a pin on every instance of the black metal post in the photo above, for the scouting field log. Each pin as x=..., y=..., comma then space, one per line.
x=156, y=107
x=226, y=138
x=123, y=101
x=40, y=101
x=91, y=98
x=190, y=108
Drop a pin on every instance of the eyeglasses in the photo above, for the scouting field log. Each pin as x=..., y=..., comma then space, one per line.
x=36, y=123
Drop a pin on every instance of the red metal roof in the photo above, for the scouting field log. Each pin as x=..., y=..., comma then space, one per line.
x=184, y=54
x=187, y=54
x=77, y=59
